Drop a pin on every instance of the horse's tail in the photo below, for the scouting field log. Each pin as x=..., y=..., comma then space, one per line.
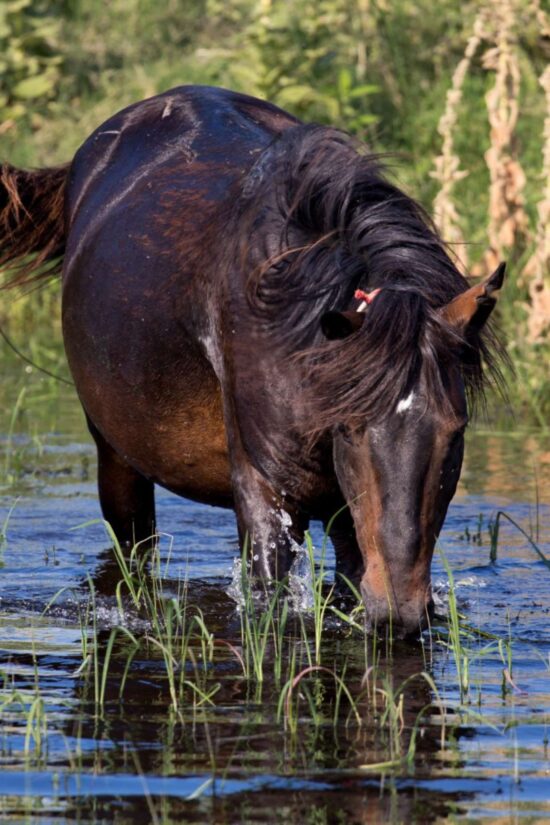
x=32, y=222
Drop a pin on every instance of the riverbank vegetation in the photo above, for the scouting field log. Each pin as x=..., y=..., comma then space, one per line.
x=460, y=99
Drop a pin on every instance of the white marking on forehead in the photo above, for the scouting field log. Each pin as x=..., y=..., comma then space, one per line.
x=405, y=403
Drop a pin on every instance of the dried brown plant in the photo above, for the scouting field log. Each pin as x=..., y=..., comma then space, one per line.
x=540, y=16
x=447, y=164
x=508, y=222
x=537, y=270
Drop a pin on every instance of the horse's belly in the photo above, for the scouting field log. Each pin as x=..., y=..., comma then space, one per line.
x=163, y=417
x=191, y=467
x=183, y=450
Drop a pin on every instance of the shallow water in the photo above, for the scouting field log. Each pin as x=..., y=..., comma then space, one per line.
x=137, y=759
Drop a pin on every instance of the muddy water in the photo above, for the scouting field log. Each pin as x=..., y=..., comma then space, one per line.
x=232, y=760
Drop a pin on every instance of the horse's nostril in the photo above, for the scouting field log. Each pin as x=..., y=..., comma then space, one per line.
x=408, y=632
x=405, y=618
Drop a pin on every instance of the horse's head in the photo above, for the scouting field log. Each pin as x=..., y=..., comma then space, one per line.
x=399, y=472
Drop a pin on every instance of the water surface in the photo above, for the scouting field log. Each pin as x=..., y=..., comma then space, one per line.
x=137, y=759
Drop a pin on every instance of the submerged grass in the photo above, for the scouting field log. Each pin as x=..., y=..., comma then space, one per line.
x=295, y=667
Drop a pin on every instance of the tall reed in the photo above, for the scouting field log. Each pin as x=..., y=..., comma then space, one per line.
x=447, y=165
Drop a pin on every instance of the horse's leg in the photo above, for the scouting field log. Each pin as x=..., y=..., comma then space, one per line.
x=126, y=497
x=269, y=525
x=349, y=560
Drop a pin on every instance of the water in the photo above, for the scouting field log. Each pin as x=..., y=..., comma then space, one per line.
x=137, y=759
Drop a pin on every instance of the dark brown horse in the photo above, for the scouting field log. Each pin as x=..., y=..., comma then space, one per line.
x=212, y=247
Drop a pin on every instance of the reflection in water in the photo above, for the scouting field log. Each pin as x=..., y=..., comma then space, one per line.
x=515, y=466
x=249, y=766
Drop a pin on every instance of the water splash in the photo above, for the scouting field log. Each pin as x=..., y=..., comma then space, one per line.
x=300, y=581
x=441, y=588
x=235, y=587
x=109, y=615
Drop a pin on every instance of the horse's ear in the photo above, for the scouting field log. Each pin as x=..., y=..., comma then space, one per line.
x=341, y=324
x=470, y=310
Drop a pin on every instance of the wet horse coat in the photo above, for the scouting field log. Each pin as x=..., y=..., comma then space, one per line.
x=213, y=246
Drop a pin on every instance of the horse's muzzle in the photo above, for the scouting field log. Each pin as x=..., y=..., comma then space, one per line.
x=402, y=619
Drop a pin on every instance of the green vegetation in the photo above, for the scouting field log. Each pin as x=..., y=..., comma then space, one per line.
x=456, y=95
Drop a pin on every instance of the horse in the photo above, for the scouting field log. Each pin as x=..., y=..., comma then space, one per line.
x=256, y=318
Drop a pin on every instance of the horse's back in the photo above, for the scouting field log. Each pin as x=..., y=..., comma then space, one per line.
x=165, y=142
x=147, y=206
x=150, y=194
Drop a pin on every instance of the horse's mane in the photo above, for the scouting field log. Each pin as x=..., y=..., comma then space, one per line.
x=324, y=221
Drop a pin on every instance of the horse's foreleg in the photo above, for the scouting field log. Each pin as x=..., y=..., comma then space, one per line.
x=126, y=497
x=269, y=526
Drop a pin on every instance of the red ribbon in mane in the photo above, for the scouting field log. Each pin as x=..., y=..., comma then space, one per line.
x=367, y=297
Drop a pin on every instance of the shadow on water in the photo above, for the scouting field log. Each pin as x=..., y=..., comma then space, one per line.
x=467, y=739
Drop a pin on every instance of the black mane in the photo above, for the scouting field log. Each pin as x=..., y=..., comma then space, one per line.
x=324, y=221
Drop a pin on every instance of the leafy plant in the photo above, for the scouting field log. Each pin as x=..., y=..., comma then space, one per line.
x=30, y=59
